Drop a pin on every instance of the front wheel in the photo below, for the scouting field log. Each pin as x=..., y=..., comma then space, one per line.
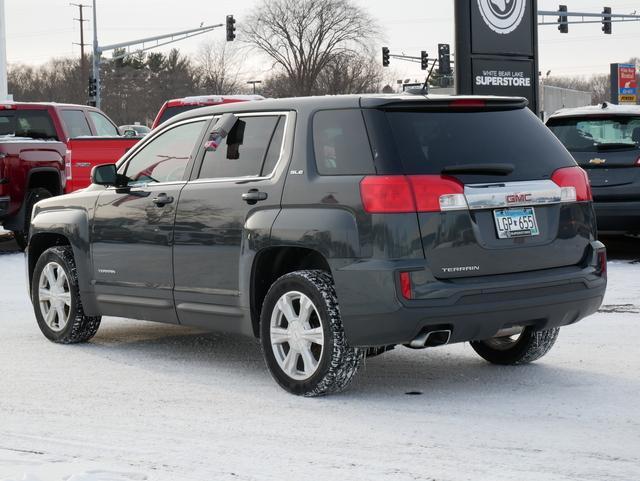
x=528, y=346
x=303, y=338
x=56, y=298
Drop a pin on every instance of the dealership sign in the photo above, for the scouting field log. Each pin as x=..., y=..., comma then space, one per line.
x=496, y=48
x=624, y=84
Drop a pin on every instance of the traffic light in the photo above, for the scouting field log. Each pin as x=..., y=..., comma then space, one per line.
x=92, y=87
x=444, y=59
x=231, y=28
x=563, y=24
x=385, y=56
x=424, y=60
x=606, y=20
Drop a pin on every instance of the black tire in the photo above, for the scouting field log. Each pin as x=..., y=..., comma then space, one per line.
x=79, y=327
x=33, y=195
x=530, y=346
x=338, y=363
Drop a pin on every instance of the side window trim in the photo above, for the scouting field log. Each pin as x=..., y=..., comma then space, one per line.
x=123, y=166
x=288, y=116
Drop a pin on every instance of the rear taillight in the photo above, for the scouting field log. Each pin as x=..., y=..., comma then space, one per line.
x=405, y=285
x=435, y=193
x=602, y=263
x=411, y=193
x=387, y=194
x=638, y=162
x=67, y=164
x=574, y=184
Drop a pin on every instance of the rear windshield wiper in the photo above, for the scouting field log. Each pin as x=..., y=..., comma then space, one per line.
x=616, y=145
x=480, y=169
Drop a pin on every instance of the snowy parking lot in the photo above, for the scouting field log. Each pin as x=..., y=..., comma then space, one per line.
x=145, y=401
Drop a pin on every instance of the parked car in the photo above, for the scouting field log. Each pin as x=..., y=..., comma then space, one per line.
x=605, y=141
x=67, y=140
x=391, y=220
x=134, y=130
x=178, y=106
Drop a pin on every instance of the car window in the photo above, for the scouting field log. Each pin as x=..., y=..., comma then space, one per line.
x=103, y=124
x=34, y=124
x=595, y=133
x=76, y=122
x=427, y=142
x=175, y=110
x=243, y=151
x=341, y=143
x=165, y=158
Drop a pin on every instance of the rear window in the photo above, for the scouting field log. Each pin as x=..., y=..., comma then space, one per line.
x=76, y=122
x=427, y=142
x=173, y=111
x=34, y=124
x=341, y=143
x=597, y=133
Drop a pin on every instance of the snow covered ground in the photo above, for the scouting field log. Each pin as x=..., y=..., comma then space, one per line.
x=147, y=401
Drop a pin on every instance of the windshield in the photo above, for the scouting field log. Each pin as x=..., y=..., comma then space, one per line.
x=432, y=142
x=173, y=111
x=34, y=124
x=597, y=133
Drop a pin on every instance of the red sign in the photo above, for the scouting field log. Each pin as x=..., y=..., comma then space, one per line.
x=627, y=77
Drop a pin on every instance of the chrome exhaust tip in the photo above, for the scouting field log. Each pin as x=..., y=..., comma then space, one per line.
x=439, y=337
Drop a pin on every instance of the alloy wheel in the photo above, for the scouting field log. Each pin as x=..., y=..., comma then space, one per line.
x=296, y=335
x=54, y=296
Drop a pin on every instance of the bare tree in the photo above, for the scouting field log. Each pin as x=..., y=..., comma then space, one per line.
x=218, y=68
x=599, y=85
x=304, y=36
x=350, y=72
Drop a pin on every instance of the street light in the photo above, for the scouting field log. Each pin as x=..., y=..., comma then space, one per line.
x=254, y=82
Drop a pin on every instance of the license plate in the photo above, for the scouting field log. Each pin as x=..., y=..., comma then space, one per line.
x=512, y=223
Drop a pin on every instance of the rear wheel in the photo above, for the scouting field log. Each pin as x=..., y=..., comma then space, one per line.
x=528, y=346
x=303, y=338
x=33, y=195
x=56, y=299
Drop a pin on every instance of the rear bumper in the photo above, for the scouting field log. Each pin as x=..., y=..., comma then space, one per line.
x=621, y=217
x=473, y=309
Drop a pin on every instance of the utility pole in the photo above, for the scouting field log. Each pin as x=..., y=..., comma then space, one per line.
x=4, y=90
x=83, y=59
x=96, y=59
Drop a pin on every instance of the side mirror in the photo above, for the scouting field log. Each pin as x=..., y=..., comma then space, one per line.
x=104, y=175
x=130, y=133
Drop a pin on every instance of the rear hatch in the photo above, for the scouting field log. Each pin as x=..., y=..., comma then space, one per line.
x=495, y=192
x=606, y=146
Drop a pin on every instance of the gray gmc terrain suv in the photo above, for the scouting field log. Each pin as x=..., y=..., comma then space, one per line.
x=332, y=228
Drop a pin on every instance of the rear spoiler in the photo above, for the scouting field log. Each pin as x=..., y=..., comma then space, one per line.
x=447, y=104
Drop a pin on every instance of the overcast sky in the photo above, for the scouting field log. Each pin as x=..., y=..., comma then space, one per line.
x=38, y=30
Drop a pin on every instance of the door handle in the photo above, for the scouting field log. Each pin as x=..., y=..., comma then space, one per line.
x=253, y=196
x=162, y=200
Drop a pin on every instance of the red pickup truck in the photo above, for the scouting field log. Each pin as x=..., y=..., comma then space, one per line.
x=177, y=106
x=49, y=149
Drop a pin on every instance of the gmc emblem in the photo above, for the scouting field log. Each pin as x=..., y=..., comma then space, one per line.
x=518, y=198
